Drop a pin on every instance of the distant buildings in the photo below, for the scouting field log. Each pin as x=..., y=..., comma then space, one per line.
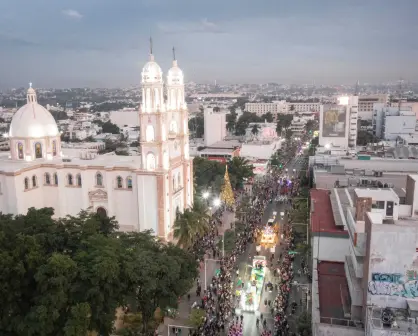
x=366, y=103
x=282, y=107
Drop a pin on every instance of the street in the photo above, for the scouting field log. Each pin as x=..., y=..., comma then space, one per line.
x=243, y=261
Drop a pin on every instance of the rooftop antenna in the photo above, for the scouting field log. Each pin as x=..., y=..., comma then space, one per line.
x=356, y=89
x=400, y=94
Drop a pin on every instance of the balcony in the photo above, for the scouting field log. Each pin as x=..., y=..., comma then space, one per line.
x=354, y=283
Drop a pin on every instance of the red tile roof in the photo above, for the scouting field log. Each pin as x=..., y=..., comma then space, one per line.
x=322, y=218
x=332, y=288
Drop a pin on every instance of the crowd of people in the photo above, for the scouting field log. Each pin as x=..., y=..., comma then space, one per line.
x=219, y=299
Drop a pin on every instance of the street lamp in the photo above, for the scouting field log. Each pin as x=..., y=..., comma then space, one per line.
x=216, y=202
x=205, y=195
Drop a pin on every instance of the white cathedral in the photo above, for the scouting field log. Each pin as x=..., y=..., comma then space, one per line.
x=143, y=192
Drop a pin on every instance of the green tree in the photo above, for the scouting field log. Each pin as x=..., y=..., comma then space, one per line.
x=197, y=317
x=192, y=222
x=67, y=277
x=239, y=170
x=304, y=324
x=109, y=127
x=197, y=126
x=283, y=122
x=255, y=129
x=268, y=117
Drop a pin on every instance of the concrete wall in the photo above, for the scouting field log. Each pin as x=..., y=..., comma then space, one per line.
x=334, y=330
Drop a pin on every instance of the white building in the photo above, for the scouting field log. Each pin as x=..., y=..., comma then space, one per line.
x=142, y=192
x=338, y=123
x=302, y=108
x=215, y=126
x=390, y=122
x=275, y=108
x=365, y=104
x=125, y=118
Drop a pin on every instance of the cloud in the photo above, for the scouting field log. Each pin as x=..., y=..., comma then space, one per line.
x=71, y=13
x=203, y=26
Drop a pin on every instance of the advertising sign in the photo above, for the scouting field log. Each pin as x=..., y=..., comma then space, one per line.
x=334, y=123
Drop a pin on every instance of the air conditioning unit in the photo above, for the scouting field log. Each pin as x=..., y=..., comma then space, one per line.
x=411, y=320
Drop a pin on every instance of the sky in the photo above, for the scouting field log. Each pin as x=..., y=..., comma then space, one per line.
x=105, y=43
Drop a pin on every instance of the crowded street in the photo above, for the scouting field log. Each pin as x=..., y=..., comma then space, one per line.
x=249, y=290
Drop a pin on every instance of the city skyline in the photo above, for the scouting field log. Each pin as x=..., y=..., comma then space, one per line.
x=105, y=43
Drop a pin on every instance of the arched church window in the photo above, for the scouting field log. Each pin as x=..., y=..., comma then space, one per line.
x=101, y=212
x=173, y=127
x=20, y=151
x=26, y=183
x=34, y=182
x=99, y=180
x=70, y=179
x=55, y=178
x=129, y=182
x=179, y=180
x=38, y=150
x=174, y=183
x=151, y=164
x=119, y=183
x=149, y=133
x=79, y=181
x=54, y=148
x=47, y=179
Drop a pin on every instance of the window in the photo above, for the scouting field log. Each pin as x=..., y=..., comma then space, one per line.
x=70, y=179
x=101, y=212
x=151, y=161
x=34, y=182
x=79, y=182
x=119, y=183
x=20, y=151
x=174, y=183
x=38, y=150
x=47, y=179
x=54, y=148
x=179, y=180
x=99, y=180
x=129, y=182
x=55, y=179
x=149, y=133
x=26, y=183
x=378, y=205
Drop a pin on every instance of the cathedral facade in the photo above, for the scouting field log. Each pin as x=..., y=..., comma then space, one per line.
x=142, y=192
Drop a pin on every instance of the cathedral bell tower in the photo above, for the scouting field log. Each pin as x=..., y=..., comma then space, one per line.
x=154, y=149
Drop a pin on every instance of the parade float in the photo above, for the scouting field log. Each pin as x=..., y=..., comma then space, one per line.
x=251, y=293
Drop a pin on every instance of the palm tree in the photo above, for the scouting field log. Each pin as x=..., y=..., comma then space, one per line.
x=255, y=129
x=190, y=223
x=184, y=231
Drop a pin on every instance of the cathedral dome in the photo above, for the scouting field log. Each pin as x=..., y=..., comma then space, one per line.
x=33, y=120
x=175, y=75
x=151, y=72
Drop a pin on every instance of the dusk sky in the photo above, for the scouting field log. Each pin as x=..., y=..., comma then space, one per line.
x=104, y=43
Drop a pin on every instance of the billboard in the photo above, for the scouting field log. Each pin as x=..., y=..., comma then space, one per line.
x=334, y=122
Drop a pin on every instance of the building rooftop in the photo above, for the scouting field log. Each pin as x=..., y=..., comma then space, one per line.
x=325, y=179
x=403, y=325
x=333, y=291
x=322, y=216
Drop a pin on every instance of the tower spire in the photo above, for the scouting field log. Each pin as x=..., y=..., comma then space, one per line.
x=174, y=54
x=151, y=55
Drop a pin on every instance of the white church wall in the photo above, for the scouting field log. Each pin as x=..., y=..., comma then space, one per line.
x=124, y=201
x=147, y=202
x=9, y=194
x=33, y=196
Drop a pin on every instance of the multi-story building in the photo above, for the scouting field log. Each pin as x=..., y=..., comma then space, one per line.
x=365, y=104
x=304, y=107
x=365, y=261
x=275, y=108
x=215, y=125
x=389, y=122
x=338, y=123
